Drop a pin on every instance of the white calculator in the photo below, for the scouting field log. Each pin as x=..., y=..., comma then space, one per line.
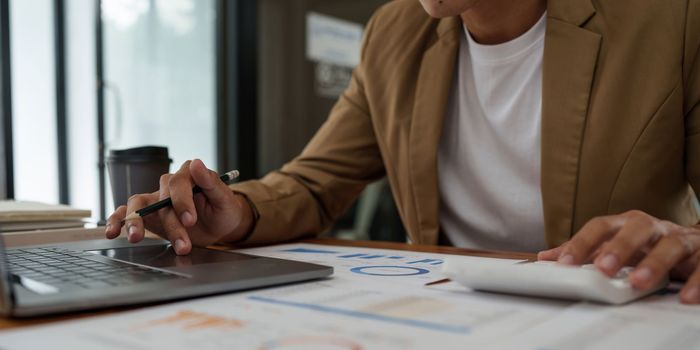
x=547, y=279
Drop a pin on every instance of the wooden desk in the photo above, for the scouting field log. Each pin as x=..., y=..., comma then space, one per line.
x=16, y=323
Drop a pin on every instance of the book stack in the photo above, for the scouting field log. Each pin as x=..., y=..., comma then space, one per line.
x=29, y=216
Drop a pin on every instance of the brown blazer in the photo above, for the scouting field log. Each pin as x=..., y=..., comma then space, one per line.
x=620, y=121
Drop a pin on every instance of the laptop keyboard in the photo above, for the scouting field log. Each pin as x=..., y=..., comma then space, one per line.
x=71, y=270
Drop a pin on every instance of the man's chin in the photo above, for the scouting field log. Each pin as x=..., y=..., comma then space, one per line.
x=447, y=8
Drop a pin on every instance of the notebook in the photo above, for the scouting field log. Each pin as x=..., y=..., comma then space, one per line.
x=26, y=215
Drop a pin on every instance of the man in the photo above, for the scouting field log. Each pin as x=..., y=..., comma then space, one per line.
x=494, y=121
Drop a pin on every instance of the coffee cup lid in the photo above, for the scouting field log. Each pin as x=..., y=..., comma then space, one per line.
x=144, y=153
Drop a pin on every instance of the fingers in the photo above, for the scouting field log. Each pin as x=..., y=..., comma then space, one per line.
x=172, y=221
x=690, y=294
x=589, y=238
x=173, y=229
x=657, y=247
x=176, y=234
x=114, y=223
x=216, y=191
x=179, y=186
x=116, y=220
x=134, y=227
x=665, y=255
x=638, y=232
x=550, y=254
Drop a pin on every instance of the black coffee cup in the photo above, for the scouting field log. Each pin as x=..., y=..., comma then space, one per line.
x=136, y=170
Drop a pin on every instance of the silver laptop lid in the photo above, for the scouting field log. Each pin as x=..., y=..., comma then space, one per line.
x=6, y=300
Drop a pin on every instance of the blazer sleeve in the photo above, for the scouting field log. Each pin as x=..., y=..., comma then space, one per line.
x=306, y=195
x=691, y=103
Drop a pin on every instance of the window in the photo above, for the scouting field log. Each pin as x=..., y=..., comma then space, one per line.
x=81, y=104
x=160, y=63
x=159, y=59
x=34, y=100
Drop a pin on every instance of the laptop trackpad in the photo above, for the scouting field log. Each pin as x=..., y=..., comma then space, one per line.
x=164, y=256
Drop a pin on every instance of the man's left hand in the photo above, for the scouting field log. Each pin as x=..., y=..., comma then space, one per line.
x=656, y=247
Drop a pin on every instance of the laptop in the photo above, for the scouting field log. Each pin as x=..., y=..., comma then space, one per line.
x=63, y=277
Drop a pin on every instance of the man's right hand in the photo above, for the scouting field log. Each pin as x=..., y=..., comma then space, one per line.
x=216, y=214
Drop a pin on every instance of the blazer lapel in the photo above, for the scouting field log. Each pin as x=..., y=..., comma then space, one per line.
x=432, y=92
x=570, y=57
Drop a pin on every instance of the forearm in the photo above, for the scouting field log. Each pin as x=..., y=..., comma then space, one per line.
x=281, y=209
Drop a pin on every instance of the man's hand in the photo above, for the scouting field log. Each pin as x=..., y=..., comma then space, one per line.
x=214, y=215
x=656, y=247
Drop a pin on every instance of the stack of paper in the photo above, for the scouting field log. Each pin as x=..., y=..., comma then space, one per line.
x=22, y=216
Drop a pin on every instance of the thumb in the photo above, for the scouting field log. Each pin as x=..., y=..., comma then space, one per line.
x=550, y=254
x=216, y=191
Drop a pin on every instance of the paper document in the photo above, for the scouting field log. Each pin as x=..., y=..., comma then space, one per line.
x=368, y=264
x=659, y=322
x=375, y=300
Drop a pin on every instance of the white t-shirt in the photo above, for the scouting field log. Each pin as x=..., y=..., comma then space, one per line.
x=489, y=154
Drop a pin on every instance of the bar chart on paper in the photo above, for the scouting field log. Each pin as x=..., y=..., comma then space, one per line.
x=366, y=263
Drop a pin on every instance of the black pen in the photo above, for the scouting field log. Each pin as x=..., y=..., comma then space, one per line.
x=229, y=176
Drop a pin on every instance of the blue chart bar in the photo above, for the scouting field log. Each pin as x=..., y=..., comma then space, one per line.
x=372, y=257
x=352, y=256
x=433, y=326
x=306, y=250
x=427, y=261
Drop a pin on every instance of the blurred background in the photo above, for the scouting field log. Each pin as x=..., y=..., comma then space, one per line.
x=238, y=83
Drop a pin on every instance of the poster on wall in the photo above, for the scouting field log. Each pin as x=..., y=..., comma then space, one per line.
x=334, y=45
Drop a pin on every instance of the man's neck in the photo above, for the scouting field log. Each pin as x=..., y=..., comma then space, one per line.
x=494, y=22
